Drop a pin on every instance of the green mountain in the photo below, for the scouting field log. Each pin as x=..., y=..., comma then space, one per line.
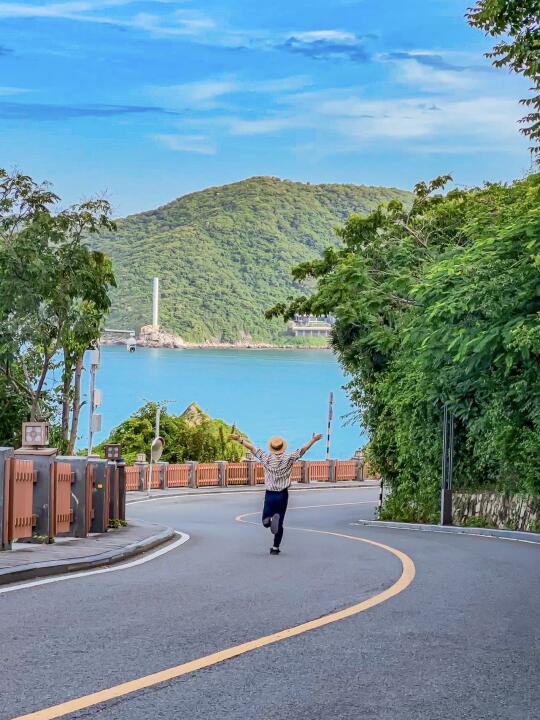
x=224, y=255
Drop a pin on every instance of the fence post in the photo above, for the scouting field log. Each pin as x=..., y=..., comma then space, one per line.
x=358, y=474
x=332, y=471
x=142, y=475
x=163, y=474
x=222, y=464
x=251, y=472
x=5, y=462
x=192, y=473
x=304, y=475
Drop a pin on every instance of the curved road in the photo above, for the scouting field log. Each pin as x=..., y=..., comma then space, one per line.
x=461, y=641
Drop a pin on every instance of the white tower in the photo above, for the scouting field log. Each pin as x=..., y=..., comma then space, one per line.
x=155, y=303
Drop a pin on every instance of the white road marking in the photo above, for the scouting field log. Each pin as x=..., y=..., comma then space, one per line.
x=448, y=532
x=184, y=537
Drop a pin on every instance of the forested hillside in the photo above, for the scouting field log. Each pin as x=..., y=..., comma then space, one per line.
x=224, y=255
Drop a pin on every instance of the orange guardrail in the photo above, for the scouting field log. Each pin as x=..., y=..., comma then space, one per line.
x=345, y=470
x=63, y=516
x=132, y=478
x=178, y=476
x=236, y=474
x=207, y=474
x=318, y=471
x=21, y=477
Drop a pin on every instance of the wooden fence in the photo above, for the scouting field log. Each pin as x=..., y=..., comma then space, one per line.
x=243, y=473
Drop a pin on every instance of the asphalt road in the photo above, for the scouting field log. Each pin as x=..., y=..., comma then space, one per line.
x=461, y=642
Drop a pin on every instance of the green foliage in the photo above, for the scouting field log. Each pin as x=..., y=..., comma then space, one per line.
x=53, y=296
x=518, y=22
x=478, y=521
x=187, y=437
x=441, y=304
x=223, y=255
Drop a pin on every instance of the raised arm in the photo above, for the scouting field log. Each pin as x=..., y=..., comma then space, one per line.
x=243, y=441
x=310, y=444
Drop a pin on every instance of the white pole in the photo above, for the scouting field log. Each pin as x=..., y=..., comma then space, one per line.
x=94, y=364
x=156, y=429
x=155, y=303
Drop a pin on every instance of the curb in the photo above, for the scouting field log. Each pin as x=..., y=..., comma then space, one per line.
x=248, y=488
x=30, y=571
x=518, y=535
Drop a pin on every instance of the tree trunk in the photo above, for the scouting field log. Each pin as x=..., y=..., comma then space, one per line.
x=66, y=387
x=77, y=405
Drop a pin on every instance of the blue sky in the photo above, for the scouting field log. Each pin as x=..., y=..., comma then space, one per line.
x=145, y=100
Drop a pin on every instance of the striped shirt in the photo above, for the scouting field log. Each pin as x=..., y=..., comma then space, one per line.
x=277, y=468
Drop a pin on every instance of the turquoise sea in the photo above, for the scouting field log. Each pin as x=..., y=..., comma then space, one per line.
x=265, y=392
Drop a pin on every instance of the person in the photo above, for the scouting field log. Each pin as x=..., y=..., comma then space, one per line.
x=278, y=467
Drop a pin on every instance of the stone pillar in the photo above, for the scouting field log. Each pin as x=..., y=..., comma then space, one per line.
x=192, y=473
x=304, y=475
x=332, y=471
x=142, y=475
x=251, y=472
x=222, y=473
x=78, y=493
x=5, y=455
x=359, y=473
x=43, y=504
x=163, y=474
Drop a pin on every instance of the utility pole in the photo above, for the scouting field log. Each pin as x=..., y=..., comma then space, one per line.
x=447, y=466
x=330, y=417
x=94, y=396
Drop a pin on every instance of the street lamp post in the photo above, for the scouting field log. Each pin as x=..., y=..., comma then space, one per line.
x=95, y=397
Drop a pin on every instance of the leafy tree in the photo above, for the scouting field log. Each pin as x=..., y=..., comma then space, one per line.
x=440, y=304
x=53, y=293
x=519, y=22
x=202, y=439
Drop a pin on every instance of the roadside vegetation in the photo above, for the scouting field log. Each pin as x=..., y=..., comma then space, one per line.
x=439, y=303
x=193, y=435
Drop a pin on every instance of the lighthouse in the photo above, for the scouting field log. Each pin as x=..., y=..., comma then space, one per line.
x=155, y=304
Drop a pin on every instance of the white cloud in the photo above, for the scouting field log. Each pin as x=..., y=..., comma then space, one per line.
x=199, y=144
x=424, y=77
x=264, y=126
x=205, y=94
x=180, y=23
x=326, y=36
x=13, y=91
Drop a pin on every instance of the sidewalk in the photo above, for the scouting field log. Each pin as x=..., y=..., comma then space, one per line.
x=137, y=495
x=69, y=554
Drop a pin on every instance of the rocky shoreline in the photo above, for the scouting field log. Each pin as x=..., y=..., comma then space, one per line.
x=151, y=337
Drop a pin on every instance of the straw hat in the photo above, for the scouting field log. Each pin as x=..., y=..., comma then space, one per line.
x=277, y=445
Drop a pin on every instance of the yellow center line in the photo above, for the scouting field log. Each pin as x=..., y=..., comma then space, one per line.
x=132, y=686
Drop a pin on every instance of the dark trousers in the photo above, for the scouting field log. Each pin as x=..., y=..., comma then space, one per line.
x=275, y=501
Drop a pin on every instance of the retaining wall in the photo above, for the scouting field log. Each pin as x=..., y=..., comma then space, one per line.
x=515, y=512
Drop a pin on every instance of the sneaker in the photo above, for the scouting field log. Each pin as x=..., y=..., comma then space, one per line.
x=274, y=524
x=274, y=551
